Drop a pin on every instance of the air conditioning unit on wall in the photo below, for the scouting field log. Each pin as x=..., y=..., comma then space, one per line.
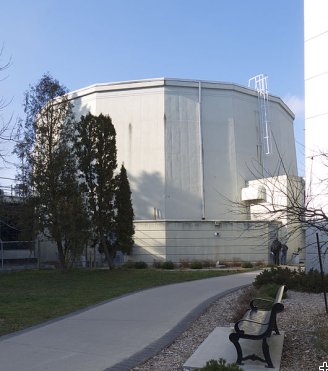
x=255, y=194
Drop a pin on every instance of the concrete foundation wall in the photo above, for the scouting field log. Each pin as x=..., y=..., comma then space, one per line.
x=17, y=254
x=202, y=240
x=46, y=250
x=150, y=241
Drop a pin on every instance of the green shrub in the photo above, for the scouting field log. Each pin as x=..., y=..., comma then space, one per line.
x=260, y=263
x=293, y=279
x=275, y=275
x=129, y=265
x=184, y=263
x=242, y=304
x=312, y=281
x=220, y=365
x=268, y=291
x=157, y=264
x=196, y=264
x=227, y=264
x=236, y=262
x=167, y=265
x=208, y=263
x=140, y=265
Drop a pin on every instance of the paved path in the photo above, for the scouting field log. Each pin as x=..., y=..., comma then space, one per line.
x=117, y=334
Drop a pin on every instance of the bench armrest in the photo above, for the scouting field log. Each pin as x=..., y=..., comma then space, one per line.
x=247, y=320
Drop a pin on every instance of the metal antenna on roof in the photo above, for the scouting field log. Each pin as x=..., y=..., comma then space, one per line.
x=260, y=84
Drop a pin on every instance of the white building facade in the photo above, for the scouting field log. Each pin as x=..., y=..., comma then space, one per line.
x=316, y=114
x=190, y=147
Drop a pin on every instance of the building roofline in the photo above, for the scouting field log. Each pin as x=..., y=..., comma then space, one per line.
x=217, y=221
x=168, y=81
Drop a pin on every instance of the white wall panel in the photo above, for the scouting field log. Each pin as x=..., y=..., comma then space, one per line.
x=318, y=65
x=315, y=18
x=182, y=154
x=138, y=117
x=316, y=100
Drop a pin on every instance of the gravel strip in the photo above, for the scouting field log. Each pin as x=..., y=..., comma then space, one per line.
x=302, y=320
x=303, y=316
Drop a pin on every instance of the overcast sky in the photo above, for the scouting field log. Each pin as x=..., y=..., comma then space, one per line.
x=86, y=42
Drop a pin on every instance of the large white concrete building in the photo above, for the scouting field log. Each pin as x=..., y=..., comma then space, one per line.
x=190, y=147
x=316, y=113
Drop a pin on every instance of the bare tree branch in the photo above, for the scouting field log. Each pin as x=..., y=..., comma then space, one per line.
x=7, y=129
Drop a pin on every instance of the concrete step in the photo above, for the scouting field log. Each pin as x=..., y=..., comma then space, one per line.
x=217, y=345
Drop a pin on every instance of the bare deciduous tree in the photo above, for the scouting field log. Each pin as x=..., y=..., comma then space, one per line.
x=6, y=129
x=287, y=200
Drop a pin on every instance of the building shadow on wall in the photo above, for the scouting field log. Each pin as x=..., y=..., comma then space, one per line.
x=153, y=199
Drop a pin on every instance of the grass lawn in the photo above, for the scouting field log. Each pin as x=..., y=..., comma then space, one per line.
x=31, y=297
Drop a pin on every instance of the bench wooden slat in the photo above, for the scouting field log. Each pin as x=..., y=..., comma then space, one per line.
x=254, y=322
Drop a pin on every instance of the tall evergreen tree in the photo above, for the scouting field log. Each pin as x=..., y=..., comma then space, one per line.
x=48, y=169
x=124, y=213
x=95, y=146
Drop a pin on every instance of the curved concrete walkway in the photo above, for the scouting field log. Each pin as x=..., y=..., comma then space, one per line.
x=118, y=334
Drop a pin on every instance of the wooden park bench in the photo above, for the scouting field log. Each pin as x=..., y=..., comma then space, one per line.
x=258, y=324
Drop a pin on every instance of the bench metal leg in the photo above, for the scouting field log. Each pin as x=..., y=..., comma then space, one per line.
x=266, y=353
x=275, y=327
x=234, y=338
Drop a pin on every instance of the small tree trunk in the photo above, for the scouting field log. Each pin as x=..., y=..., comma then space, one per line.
x=61, y=256
x=109, y=258
x=105, y=249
